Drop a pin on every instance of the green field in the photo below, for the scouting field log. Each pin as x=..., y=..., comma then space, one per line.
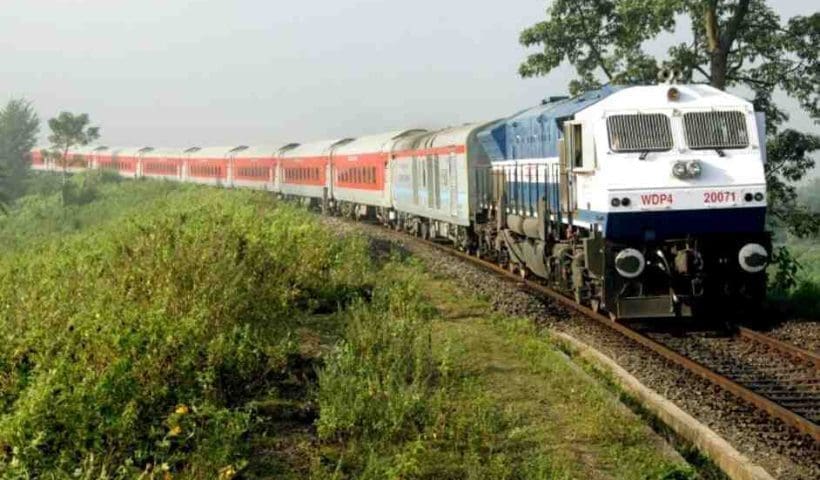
x=156, y=330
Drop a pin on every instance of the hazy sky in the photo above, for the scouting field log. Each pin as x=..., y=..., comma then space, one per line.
x=181, y=73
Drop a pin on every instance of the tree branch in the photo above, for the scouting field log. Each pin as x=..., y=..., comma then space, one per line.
x=703, y=72
x=593, y=49
x=730, y=33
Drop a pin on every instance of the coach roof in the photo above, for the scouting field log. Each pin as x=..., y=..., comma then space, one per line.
x=315, y=149
x=382, y=142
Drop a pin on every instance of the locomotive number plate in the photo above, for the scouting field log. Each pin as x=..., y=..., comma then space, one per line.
x=657, y=200
x=720, y=197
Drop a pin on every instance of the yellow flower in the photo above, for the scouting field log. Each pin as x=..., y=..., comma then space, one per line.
x=227, y=473
x=182, y=409
x=175, y=430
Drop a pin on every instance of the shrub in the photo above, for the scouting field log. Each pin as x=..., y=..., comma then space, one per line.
x=137, y=347
x=380, y=383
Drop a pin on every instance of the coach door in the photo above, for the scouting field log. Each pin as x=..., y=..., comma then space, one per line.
x=452, y=181
x=572, y=161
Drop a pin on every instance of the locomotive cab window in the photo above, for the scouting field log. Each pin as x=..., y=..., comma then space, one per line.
x=639, y=132
x=707, y=130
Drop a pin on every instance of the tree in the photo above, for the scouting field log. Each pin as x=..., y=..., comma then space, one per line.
x=19, y=127
x=4, y=196
x=740, y=44
x=67, y=131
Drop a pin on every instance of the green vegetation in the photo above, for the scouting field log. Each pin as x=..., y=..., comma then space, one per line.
x=18, y=132
x=801, y=294
x=137, y=347
x=93, y=199
x=172, y=331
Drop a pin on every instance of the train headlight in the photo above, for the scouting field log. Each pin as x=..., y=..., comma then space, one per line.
x=679, y=170
x=753, y=258
x=694, y=168
x=629, y=263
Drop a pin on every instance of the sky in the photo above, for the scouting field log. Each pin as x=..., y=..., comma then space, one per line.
x=178, y=73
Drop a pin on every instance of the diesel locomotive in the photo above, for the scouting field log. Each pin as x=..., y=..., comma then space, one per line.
x=641, y=201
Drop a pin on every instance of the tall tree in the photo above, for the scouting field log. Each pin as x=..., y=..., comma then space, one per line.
x=19, y=127
x=739, y=44
x=68, y=131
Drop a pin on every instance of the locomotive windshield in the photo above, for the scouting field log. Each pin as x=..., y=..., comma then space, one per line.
x=715, y=130
x=639, y=132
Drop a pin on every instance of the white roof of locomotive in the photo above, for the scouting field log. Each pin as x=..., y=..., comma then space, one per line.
x=647, y=98
x=315, y=149
x=376, y=143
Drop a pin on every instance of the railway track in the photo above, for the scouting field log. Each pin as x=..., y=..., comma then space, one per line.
x=775, y=377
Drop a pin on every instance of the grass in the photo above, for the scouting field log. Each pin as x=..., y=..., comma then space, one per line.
x=155, y=330
x=571, y=424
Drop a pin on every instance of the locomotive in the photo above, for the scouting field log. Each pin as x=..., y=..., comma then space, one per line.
x=641, y=201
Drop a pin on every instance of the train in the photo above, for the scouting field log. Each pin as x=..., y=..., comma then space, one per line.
x=644, y=201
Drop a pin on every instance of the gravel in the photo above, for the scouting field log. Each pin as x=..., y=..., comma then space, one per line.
x=802, y=333
x=779, y=449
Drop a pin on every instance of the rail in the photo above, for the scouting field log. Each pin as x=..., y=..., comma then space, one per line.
x=775, y=410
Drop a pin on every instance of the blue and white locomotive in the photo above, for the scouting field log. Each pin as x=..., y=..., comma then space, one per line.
x=646, y=201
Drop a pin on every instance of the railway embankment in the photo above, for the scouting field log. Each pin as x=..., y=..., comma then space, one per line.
x=782, y=451
x=162, y=331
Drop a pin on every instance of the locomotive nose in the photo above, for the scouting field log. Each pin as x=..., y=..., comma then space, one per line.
x=753, y=258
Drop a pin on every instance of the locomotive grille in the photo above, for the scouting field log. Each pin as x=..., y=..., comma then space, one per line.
x=715, y=130
x=639, y=133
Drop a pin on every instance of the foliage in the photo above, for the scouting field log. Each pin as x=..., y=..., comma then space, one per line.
x=19, y=126
x=786, y=270
x=810, y=194
x=67, y=131
x=788, y=162
x=94, y=199
x=138, y=346
x=735, y=44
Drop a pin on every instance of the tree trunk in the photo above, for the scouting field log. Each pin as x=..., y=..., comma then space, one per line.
x=65, y=175
x=719, y=43
x=717, y=68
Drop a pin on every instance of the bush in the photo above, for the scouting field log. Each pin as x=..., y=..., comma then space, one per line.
x=380, y=383
x=138, y=347
x=393, y=407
